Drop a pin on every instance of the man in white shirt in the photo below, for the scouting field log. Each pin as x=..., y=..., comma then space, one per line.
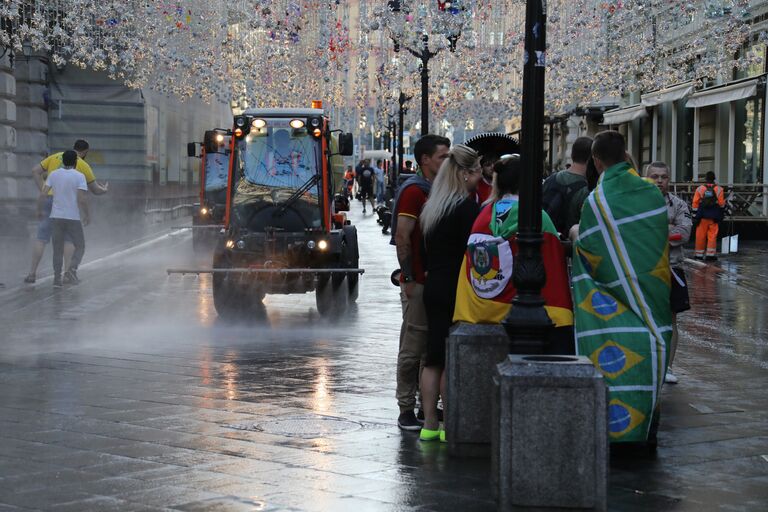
x=68, y=215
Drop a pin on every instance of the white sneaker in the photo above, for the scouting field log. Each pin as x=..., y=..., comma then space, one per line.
x=670, y=378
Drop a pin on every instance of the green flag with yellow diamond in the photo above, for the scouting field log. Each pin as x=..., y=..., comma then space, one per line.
x=621, y=283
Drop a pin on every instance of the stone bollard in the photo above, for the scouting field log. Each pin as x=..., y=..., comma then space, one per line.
x=549, y=434
x=472, y=353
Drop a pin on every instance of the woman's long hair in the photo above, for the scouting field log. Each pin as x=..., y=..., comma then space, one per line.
x=448, y=189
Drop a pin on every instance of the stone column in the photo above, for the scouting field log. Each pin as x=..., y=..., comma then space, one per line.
x=8, y=167
x=550, y=434
x=31, y=120
x=472, y=353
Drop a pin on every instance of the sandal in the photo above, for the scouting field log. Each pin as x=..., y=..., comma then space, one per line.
x=30, y=278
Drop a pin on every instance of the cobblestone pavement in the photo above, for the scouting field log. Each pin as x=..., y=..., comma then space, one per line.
x=128, y=393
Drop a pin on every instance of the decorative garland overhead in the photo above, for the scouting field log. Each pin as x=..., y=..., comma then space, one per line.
x=287, y=52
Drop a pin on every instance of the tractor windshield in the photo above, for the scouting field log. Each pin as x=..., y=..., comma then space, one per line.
x=275, y=162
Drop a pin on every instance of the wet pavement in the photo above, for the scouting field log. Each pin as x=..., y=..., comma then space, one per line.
x=128, y=393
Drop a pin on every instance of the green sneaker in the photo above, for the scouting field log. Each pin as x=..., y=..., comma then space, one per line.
x=429, y=435
x=442, y=436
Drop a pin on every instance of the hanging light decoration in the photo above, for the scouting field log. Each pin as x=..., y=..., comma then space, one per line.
x=287, y=52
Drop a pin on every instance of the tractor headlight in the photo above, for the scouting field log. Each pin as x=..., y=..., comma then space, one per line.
x=230, y=244
x=240, y=244
x=322, y=245
x=203, y=211
x=311, y=244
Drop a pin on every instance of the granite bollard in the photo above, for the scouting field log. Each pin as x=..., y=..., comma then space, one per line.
x=549, y=434
x=472, y=353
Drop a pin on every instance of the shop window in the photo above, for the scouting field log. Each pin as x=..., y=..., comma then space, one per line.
x=644, y=156
x=748, y=141
x=752, y=53
x=707, y=134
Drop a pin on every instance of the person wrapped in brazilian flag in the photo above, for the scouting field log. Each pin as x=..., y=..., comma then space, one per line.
x=485, y=290
x=621, y=288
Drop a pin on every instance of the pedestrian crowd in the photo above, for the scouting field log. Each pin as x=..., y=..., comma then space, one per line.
x=615, y=301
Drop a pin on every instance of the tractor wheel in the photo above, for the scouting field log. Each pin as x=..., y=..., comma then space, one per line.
x=331, y=296
x=232, y=299
x=228, y=298
x=351, y=259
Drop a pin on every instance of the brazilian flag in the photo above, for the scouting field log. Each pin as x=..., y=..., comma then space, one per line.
x=621, y=282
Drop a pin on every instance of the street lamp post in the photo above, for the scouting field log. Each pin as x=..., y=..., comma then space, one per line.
x=401, y=100
x=527, y=323
x=425, y=55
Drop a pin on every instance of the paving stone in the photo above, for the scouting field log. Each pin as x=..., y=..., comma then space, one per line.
x=101, y=504
x=166, y=496
x=226, y=505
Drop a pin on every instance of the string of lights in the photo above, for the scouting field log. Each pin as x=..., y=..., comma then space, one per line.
x=351, y=53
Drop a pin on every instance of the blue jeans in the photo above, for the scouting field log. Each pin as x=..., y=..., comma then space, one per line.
x=379, y=191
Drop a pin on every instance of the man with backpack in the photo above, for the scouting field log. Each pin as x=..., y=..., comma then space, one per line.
x=365, y=181
x=708, y=211
x=565, y=191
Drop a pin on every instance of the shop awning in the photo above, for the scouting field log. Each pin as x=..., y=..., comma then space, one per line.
x=717, y=95
x=675, y=93
x=624, y=115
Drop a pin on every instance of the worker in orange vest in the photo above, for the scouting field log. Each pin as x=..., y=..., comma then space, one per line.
x=708, y=210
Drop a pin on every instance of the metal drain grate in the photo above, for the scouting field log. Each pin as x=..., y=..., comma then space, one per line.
x=302, y=426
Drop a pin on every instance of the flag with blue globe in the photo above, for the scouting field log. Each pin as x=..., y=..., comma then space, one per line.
x=621, y=296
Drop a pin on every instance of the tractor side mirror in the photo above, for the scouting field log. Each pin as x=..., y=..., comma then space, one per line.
x=346, y=144
x=192, y=149
x=209, y=141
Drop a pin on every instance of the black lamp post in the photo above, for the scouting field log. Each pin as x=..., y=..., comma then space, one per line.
x=401, y=100
x=425, y=55
x=527, y=323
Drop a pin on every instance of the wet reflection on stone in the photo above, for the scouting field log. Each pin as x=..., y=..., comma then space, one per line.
x=128, y=392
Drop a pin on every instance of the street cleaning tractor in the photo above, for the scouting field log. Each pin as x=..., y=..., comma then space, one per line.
x=281, y=233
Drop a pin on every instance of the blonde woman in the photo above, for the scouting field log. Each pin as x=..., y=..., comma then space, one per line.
x=446, y=222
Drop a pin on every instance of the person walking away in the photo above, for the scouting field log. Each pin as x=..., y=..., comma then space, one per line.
x=565, y=191
x=358, y=170
x=621, y=289
x=39, y=174
x=380, y=185
x=430, y=151
x=365, y=181
x=446, y=221
x=679, y=232
x=708, y=211
x=69, y=213
x=485, y=289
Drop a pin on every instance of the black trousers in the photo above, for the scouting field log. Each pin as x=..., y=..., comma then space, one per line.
x=62, y=228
